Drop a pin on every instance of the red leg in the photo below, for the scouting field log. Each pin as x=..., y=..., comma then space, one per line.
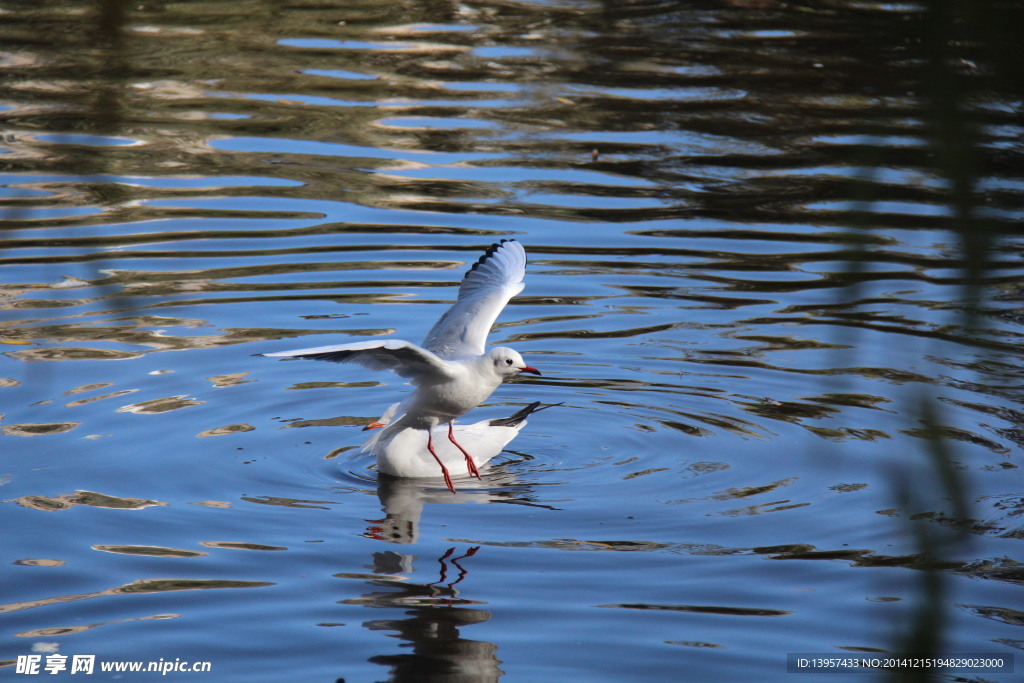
x=469, y=458
x=444, y=470
x=462, y=570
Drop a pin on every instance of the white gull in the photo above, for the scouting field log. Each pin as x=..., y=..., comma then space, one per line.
x=400, y=453
x=452, y=370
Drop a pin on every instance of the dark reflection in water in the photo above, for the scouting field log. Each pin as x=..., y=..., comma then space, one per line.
x=434, y=617
x=403, y=501
x=434, y=614
x=136, y=587
x=91, y=498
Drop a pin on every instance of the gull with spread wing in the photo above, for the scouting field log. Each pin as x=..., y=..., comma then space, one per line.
x=452, y=370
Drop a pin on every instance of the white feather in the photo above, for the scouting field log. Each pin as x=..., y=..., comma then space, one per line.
x=484, y=292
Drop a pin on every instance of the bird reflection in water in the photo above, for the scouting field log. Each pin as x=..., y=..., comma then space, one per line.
x=433, y=613
x=402, y=501
x=433, y=616
x=447, y=557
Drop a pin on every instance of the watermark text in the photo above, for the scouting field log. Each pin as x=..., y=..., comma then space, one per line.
x=53, y=664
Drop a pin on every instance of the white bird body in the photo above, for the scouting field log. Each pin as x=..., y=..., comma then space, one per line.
x=470, y=381
x=403, y=453
x=452, y=370
x=400, y=452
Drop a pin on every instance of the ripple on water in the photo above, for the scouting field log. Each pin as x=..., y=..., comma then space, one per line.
x=38, y=429
x=89, y=498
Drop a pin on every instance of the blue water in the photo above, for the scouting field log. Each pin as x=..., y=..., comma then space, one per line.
x=786, y=348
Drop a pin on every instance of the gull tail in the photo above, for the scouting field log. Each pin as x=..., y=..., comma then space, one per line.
x=519, y=417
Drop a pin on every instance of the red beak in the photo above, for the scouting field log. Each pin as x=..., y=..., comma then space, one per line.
x=527, y=368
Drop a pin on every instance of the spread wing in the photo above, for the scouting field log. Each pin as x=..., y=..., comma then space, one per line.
x=485, y=289
x=401, y=357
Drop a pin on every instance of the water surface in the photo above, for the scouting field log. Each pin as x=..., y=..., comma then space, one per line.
x=775, y=283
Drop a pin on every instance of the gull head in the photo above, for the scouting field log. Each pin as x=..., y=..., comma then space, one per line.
x=508, y=363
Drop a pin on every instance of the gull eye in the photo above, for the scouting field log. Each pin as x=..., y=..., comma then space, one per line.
x=508, y=361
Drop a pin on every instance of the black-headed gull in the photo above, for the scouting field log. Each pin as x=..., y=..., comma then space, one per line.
x=400, y=452
x=452, y=370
